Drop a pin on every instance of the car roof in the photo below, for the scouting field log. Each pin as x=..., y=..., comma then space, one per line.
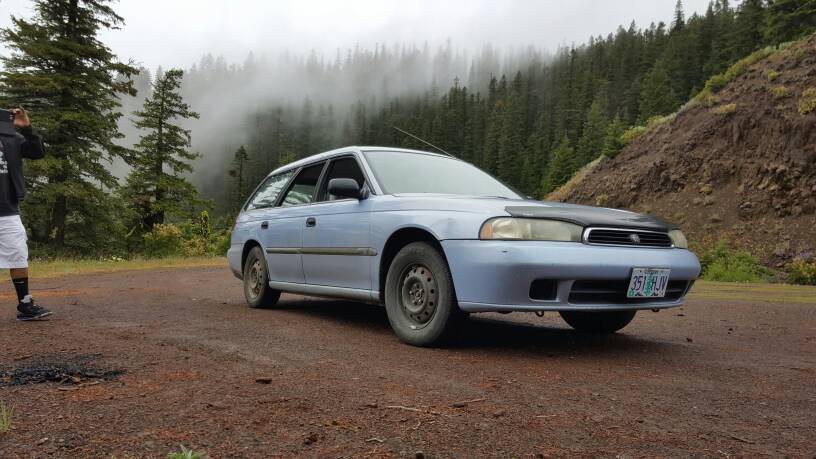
x=349, y=149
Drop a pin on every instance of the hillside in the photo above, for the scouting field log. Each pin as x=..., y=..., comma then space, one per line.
x=738, y=165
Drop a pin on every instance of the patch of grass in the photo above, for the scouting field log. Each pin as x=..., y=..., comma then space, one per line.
x=802, y=272
x=633, y=133
x=727, y=109
x=561, y=192
x=717, y=82
x=726, y=264
x=6, y=414
x=62, y=267
x=772, y=74
x=807, y=103
x=779, y=92
x=186, y=454
x=754, y=292
x=797, y=54
x=637, y=131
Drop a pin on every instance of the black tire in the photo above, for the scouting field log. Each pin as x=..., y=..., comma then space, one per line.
x=598, y=321
x=257, y=291
x=419, y=296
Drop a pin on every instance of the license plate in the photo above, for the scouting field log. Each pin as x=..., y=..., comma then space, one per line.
x=648, y=283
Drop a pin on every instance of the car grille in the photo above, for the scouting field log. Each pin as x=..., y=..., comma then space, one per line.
x=627, y=237
x=614, y=292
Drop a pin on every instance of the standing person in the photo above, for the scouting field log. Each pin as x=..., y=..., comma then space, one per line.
x=14, y=146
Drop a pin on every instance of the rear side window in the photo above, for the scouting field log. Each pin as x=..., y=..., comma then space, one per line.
x=268, y=192
x=303, y=187
x=341, y=168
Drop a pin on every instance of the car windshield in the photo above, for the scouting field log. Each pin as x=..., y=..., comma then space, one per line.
x=404, y=172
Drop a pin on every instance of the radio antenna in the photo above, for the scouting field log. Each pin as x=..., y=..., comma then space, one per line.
x=424, y=141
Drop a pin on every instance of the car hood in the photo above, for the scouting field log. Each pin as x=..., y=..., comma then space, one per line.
x=573, y=213
x=589, y=216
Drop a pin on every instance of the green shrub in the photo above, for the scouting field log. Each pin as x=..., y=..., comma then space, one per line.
x=5, y=418
x=716, y=82
x=802, y=272
x=726, y=109
x=222, y=243
x=808, y=101
x=779, y=92
x=772, y=75
x=633, y=133
x=164, y=240
x=186, y=454
x=725, y=264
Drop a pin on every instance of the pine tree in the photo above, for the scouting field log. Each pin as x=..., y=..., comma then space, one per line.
x=591, y=142
x=561, y=166
x=748, y=25
x=721, y=50
x=657, y=96
x=679, y=17
x=511, y=145
x=67, y=78
x=613, y=143
x=156, y=186
x=789, y=20
x=238, y=173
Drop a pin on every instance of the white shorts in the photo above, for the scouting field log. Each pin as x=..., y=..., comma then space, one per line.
x=13, y=245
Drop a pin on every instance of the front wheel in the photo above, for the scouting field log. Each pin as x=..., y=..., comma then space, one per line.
x=598, y=321
x=257, y=291
x=419, y=296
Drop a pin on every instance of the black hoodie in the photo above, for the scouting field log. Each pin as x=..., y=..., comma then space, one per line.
x=24, y=144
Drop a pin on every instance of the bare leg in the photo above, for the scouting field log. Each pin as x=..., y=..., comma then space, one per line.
x=18, y=273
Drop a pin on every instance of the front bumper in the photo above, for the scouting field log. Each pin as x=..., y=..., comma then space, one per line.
x=497, y=275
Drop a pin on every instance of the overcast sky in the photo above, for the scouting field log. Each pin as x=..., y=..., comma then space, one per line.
x=179, y=32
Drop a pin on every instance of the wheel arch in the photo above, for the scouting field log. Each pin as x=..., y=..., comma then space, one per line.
x=395, y=242
x=248, y=245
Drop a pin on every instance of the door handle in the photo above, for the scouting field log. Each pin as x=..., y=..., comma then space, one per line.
x=311, y=221
x=264, y=225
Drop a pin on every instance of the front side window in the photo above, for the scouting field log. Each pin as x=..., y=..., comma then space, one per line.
x=341, y=168
x=303, y=186
x=268, y=192
x=406, y=172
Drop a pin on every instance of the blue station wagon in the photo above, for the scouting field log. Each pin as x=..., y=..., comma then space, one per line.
x=434, y=238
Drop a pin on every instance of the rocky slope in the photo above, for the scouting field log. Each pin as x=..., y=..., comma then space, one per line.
x=739, y=166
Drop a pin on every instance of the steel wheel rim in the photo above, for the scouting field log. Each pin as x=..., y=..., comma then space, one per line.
x=419, y=293
x=256, y=276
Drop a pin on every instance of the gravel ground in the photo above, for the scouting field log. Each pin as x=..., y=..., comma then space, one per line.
x=320, y=378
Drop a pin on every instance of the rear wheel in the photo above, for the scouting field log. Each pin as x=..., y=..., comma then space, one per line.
x=419, y=296
x=257, y=291
x=598, y=321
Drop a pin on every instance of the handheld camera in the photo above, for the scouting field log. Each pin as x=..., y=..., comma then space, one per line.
x=7, y=123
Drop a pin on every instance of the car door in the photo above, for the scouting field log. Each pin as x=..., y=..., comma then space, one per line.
x=260, y=213
x=336, y=237
x=282, y=227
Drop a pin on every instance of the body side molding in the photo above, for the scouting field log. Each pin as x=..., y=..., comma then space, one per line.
x=327, y=291
x=347, y=251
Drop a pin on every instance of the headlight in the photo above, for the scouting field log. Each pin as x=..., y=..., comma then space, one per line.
x=530, y=229
x=678, y=239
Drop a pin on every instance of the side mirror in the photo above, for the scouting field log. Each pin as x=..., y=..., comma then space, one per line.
x=345, y=188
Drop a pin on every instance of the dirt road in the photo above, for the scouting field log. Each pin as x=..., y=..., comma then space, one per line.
x=717, y=378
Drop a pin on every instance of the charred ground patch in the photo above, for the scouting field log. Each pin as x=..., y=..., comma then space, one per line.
x=58, y=368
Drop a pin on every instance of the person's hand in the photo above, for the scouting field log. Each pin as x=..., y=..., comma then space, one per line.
x=21, y=118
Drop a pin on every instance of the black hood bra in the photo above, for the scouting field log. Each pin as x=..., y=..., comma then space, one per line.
x=593, y=216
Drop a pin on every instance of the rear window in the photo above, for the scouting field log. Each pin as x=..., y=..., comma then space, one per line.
x=267, y=193
x=303, y=187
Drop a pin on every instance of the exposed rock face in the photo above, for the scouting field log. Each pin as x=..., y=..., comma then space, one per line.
x=748, y=175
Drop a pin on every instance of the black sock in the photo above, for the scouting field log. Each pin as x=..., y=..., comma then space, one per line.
x=21, y=285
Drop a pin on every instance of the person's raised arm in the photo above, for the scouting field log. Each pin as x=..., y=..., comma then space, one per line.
x=31, y=146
